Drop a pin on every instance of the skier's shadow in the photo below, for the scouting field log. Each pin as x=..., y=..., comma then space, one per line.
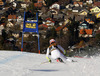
x=44, y=70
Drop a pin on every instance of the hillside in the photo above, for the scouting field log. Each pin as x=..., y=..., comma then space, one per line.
x=14, y=63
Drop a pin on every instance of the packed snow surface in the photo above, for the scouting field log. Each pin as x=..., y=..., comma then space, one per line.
x=16, y=63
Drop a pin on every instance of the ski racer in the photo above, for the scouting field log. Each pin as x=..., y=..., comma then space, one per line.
x=56, y=51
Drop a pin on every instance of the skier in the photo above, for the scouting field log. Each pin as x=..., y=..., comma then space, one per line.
x=57, y=52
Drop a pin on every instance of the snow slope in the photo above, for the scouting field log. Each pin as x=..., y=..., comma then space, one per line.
x=15, y=63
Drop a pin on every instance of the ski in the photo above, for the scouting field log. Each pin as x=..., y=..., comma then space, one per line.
x=74, y=61
x=81, y=57
x=45, y=62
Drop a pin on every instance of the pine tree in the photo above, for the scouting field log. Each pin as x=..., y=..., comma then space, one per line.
x=73, y=29
x=31, y=7
x=4, y=34
x=53, y=33
x=49, y=2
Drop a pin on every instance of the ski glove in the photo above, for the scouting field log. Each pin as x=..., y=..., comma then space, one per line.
x=65, y=52
x=49, y=59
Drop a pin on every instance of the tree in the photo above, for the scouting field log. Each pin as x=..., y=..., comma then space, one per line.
x=31, y=7
x=49, y=2
x=1, y=41
x=44, y=43
x=18, y=6
x=65, y=40
x=73, y=29
x=97, y=37
x=61, y=33
x=51, y=33
x=48, y=34
x=7, y=4
x=4, y=34
x=64, y=2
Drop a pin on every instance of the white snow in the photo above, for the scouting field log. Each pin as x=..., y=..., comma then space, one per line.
x=16, y=63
